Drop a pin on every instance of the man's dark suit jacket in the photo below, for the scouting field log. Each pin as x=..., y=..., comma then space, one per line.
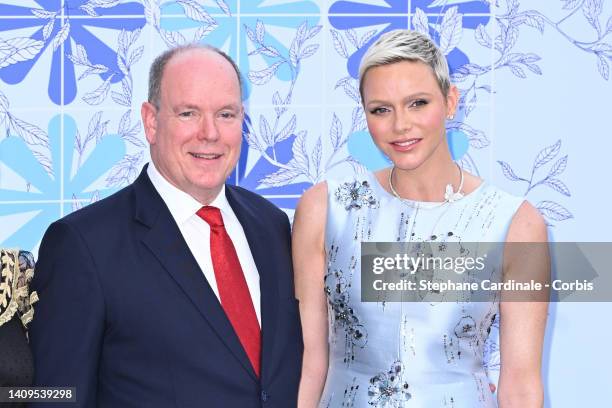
x=127, y=317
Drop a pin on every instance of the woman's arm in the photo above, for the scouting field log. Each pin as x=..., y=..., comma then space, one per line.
x=523, y=314
x=309, y=268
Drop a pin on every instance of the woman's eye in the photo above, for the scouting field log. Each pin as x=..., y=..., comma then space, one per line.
x=379, y=111
x=419, y=102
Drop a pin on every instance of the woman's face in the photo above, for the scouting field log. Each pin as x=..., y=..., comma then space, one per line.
x=406, y=112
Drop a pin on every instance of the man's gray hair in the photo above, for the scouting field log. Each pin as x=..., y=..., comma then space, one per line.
x=405, y=45
x=159, y=64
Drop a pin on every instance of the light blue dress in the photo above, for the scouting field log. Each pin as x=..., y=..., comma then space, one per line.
x=406, y=354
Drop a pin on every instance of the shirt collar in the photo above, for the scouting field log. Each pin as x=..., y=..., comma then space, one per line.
x=182, y=206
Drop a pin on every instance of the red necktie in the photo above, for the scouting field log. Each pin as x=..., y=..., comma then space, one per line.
x=233, y=290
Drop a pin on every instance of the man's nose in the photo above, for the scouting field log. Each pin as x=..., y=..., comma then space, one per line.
x=207, y=129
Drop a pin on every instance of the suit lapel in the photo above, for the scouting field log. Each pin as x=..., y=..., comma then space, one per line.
x=168, y=246
x=259, y=243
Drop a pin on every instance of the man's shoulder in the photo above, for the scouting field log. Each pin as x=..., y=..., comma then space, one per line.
x=114, y=208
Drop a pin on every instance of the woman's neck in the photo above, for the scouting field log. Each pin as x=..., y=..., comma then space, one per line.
x=427, y=182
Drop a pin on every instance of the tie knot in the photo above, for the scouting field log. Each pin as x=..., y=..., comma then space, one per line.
x=212, y=216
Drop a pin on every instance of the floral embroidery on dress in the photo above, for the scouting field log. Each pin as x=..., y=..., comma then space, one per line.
x=356, y=194
x=16, y=272
x=338, y=297
x=388, y=389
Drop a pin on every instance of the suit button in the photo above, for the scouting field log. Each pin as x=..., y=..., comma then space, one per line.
x=264, y=396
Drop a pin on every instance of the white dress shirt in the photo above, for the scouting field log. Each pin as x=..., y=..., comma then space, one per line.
x=196, y=233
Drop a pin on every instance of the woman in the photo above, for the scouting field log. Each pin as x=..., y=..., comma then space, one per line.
x=16, y=272
x=399, y=354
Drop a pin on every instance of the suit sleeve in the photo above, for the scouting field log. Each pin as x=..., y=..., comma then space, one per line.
x=68, y=327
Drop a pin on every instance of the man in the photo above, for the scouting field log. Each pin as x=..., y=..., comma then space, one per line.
x=177, y=291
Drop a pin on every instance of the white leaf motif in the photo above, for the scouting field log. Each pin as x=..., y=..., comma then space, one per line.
x=135, y=56
x=172, y=38
x=262, y=77
x=482, y=36
x=18, y=49
x=61, y=35
x=194, y=11
x=507, y=170
x=94, y=70
x=335, y=133
x=48, y=29
x=81, y=54
x=203, y=31
x=94, y=126
x=4, y=103
x=309, y=51
x=287, y=130
x=121, y=64
x=265, y=131
x=40, y=13
x=420, y=22
x=88, y=8
x=103, y=3
x=293, y=50
x=603, y=67
x=366, y=37
x=547, y=154
x=152, y=12
x=339, y=44
x=317, y=154
x=558, y=167
x=260, y=31
x=31, y=134
x=352, y=92
x=451, y=30
x=570, y=4
x=558, y=185
x=358, y=120
x=299, y=151
x=352, y=37
x=438, y=3
x=98, y=95
x=120, y=98
x=124, y=122
x=312, y=32
x=277, y=102
x=281, y=177
x=223, y=6
x=553, y=211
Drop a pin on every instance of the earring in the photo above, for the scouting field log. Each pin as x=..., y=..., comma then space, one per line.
x=451, y=116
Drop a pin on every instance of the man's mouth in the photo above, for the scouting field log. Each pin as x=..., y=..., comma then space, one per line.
x=206, y=156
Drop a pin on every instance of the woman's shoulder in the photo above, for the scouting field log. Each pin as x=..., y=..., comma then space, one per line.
x=496, y=194
x=526, y=221
x=16, y=272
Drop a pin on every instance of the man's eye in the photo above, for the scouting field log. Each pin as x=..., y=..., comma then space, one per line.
x=227, y=115
x=187, y=114
x=379, y=111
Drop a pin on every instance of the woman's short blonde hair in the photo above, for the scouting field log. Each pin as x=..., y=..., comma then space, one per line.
x=405, y=45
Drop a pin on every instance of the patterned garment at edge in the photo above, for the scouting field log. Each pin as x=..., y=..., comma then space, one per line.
x=425, y=354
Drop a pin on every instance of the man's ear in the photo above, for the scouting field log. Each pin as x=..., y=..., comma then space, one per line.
x=148, y=113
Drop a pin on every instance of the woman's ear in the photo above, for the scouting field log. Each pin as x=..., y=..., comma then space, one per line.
x=452, y=100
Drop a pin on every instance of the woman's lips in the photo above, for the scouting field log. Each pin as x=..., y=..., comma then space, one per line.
x=405, y=145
